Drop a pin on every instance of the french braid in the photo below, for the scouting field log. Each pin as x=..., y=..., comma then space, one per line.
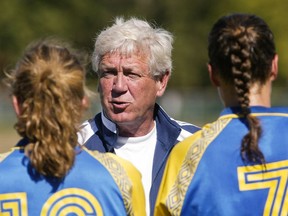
x=241, y=47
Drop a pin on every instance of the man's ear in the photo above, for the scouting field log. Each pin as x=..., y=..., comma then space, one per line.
x=16, y=105
x=274, y=68
x=162, y=83
x=213, y=75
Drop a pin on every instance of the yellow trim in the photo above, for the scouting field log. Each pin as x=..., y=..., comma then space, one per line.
x=3, y=156
x=181, y=166
x=60, y=203
x=16, y=203
x=254, y=114
x=138, y=197
x=273, y=178
x=128, y=179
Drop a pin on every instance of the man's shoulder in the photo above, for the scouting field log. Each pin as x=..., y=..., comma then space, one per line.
x=87, y=129
x=186, y=129
x=187, y=126
x=161, y=113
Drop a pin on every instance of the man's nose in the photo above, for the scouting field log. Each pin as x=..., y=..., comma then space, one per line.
x=120, y=82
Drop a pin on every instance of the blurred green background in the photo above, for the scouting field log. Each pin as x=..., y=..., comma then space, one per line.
x=189, y=96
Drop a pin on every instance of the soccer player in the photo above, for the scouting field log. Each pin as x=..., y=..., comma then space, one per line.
x=48, y=173
x=238, y=164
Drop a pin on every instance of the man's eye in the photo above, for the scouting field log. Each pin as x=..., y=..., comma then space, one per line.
x=133, y=75
x=107, y=74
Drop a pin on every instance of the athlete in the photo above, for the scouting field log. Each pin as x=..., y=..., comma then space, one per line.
x=238, y=164
x=48, y=173
x=133, y=61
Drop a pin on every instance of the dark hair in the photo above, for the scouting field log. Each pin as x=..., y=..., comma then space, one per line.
x=49, y=84
x=241, y=49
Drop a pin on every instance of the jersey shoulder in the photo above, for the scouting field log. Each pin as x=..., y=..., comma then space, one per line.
x=128, y=179
x=182, y=165
x=5, y=155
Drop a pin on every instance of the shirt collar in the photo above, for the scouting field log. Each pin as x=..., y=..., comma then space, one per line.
x=108, y=124
x=254, y=109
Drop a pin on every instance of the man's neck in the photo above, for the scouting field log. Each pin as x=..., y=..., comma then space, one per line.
x=134, y=130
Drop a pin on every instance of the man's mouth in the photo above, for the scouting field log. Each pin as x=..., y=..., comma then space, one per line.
x=120, y=105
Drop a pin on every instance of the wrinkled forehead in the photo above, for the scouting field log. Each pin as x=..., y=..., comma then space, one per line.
x=129, y=57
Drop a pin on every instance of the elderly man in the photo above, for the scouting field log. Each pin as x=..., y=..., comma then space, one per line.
x=133, y=62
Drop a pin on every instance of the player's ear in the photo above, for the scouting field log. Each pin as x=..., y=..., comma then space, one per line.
x=16, y=105
x=162, y=82
x=213, y=75
x=274, y=68
x=85, y=102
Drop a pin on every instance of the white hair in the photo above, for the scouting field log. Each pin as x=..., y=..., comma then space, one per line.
x=135, y=35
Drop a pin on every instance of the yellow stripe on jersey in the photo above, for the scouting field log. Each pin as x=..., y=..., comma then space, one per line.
x=15, y=203
x=273, y=178
x=138, y=197
x=253, y=114
x=181, y=166
x=72, y=200
x=127, y=177
x=6, y=154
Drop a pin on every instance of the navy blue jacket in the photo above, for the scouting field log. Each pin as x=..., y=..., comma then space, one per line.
x=96, y=136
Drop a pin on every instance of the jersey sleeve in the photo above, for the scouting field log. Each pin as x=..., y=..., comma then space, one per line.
x=181, y=168
x=128, y=180
x=5, y=155
x=169, y=179
x=137, y=191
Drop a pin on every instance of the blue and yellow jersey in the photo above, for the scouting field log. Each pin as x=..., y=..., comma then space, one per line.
x=98, y=184
x=205, y=174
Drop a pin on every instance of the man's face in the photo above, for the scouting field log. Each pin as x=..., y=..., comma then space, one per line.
x=128, y=91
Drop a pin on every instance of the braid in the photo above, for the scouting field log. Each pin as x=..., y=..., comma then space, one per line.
x=241, y=47
x=241, y=72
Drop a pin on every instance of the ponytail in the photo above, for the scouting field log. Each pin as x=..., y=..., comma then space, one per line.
x=49, y=85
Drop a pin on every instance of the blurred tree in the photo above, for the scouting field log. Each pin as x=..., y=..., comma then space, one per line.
x=22, y=21
x=191, y=21
x=78, y=22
